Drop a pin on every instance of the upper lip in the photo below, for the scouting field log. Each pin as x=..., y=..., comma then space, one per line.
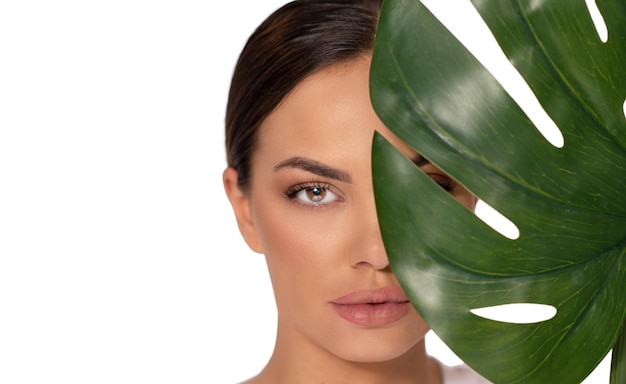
x=388, y=294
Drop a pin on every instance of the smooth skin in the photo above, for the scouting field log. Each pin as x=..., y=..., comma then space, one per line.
x=310, y=210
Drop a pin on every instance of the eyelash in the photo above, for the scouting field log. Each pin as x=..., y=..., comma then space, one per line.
x=444, y=181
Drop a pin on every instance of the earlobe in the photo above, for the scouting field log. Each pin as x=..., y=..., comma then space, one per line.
x=241, y=207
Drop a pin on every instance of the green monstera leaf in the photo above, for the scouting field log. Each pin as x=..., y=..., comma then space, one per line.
x=569, y=203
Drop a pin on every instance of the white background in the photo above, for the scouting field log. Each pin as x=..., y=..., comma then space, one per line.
x=120, y=261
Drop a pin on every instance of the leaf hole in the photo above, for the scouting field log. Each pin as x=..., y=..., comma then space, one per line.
x=517, y=313
x=496, y=220
x=466, y=24
x=598, y=20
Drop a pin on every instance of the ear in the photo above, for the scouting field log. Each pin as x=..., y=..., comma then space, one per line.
x=241, y=206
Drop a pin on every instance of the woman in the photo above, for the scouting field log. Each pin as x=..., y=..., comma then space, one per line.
x=299, y=128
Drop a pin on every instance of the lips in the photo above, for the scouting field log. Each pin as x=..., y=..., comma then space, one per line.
x=373, y=307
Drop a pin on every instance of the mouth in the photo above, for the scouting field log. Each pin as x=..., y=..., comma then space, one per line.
x=373, y=308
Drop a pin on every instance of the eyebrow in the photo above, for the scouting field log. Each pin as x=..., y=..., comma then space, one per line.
x=315, y=167
x=420, y=160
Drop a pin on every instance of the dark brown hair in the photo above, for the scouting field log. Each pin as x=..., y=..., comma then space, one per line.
x=298, y=39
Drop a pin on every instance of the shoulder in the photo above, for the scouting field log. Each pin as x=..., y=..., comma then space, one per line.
x=461, y=374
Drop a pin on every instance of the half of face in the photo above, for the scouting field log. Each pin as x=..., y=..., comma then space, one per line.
x=310, y=209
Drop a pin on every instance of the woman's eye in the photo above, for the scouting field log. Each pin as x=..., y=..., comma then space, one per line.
x=444, y=182
x=312, y=194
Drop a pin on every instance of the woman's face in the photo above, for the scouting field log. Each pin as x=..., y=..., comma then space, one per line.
x=310, y=209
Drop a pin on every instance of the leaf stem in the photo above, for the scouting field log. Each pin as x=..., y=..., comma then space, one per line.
x=618, y=359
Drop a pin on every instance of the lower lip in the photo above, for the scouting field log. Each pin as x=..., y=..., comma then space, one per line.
x=373, y=315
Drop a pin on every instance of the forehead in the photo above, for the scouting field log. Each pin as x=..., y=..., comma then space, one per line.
x=328, y=116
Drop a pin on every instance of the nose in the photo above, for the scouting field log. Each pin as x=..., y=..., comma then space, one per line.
x=368, y=250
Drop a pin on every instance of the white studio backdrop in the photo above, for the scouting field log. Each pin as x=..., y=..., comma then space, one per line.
x=120, y=259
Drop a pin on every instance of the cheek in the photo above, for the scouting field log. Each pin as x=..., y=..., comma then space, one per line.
x=302, y=248
x=466, y=198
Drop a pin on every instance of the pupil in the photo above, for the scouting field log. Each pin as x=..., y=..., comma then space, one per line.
x=316, y=194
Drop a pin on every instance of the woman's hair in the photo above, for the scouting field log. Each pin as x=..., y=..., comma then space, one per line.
x=298, y=39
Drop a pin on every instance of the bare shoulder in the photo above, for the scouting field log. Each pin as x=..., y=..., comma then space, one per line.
x=264, y=377
x=253, y=380
x=461, y=374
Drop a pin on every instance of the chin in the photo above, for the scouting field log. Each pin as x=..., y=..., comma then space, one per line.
x=376, y=346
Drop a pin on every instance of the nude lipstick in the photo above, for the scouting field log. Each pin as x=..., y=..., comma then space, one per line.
x=372, y=307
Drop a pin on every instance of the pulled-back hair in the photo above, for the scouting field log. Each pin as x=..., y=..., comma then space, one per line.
x=297, y=40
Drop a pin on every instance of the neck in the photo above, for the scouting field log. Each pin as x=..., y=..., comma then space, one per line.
x=296, y=360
